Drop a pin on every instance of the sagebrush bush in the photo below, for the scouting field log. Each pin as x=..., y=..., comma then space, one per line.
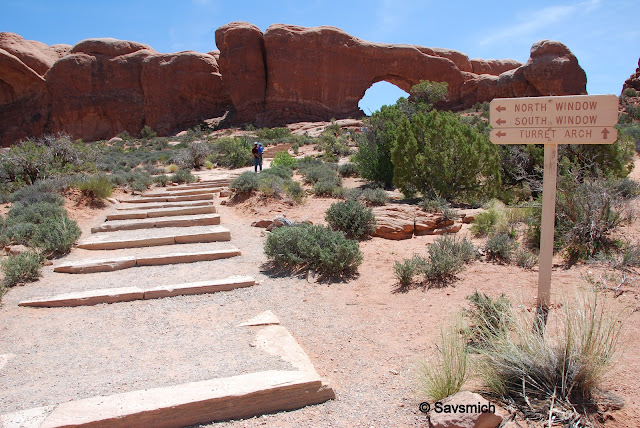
x=327, y=188
x=408, y=269
x=283, y=159
x=433, y=205
x=271, y=184
x=194, y=155
x=525, y=259
x=173, y=168
x=20, y=269
x=183, y=176
x=294, y=190
x=273, y=133
x=375, y=197
x=96, y=187
x=313, y=247
x=232, y=152
x=447, y=257
x=55, y=236
x=500, y=246
x=348, y=169
x=147, y=132
x=245, y=182
x=279, y=170
x=162, y=180
x=351, y=217
x=485, y=222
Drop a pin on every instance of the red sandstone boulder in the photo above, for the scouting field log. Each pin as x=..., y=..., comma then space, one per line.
x=402, y=222
x=181, y=90
x=96, y=89
x=553, y=70
x=634, y=80
x=36, y=55
x=495, y=67
x=24, y=100
x=243, y=68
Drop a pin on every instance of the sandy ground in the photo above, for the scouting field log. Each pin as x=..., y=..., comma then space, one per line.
x=362, y=334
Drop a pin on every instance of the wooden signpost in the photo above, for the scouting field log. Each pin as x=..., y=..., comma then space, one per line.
x=575, y=119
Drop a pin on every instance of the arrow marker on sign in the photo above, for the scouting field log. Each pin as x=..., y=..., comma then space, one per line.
x=501, y=108
x=605, y=132
x=501, y=121
x=501, y=134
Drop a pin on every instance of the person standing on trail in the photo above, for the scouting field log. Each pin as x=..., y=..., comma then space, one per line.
x=260, y=151
x=257, y=157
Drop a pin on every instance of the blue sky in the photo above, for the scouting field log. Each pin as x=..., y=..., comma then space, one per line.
x=604, y=35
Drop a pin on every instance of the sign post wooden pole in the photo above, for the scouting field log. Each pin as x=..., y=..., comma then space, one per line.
x=548, y=222
x=575, y=119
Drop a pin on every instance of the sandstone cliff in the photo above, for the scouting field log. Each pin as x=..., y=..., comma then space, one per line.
x=101, y=87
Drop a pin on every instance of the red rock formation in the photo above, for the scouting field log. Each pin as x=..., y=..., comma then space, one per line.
x=634, y=80
x=96, y=90
x=36, y=55
x=495, y=67
x=553, y=70
x=242, y=64
x=181, y=90
x=24, y=100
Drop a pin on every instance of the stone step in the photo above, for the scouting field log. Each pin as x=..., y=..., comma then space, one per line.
x=208, y=196
x=129, y=207
x=206, y=184
x=155, y=237
x=118, y=263
x=187, y=192
x=235, y=397
x=128, y=294
x=149, y=223
x=162, y=212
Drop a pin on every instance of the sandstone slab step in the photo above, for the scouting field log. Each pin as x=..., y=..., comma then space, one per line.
x=118, y=263
x=87, y=298
x=163, y=205
x=236, y=397
x=204, y=197
x=127, y=294
x=154, y=237
x=162, y=212
x=149, y=223
x=186, y=192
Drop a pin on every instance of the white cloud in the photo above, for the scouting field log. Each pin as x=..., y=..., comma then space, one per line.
x=538, y=20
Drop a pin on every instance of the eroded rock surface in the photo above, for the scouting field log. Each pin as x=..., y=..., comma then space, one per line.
x=634, y=80
x=287, y=74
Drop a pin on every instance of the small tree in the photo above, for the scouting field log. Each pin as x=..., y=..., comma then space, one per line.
x=429, y=93
x=436, y=153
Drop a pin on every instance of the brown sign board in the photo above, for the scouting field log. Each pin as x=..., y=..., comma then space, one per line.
x=575, y=119
x=575, y=135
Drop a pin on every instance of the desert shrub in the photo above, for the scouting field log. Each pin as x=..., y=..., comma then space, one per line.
x=183, y=176
x=406, y=271
x=273, y=133
x=279, y=170
x=232, y=152
x=484, y=223
x=500, y=246
x=375, y=197
x=627, y=188
x=208, y=164
x=374, y=145
x=271, y=184
x=327, y=188
x=525, y=259
x=283, y=159
x=332, y=146
x=96, y=187
x=194, y=155
x=428, y=93
x=351, y=217
x=308, y=162
x=162, y=180
x=447, y=257
x=348, y=169
x=42, y=191
x=294, y=190
x=25, y=162
x=450, y=214
x=323, y=172
x=586, y=214
x=445, y=374
x=433, y=205
x=630, y=92
x=20, y=269
x=245, y=182
x=147, y=132
x=55, y=236
x=313, y=247
x=437, y=153
x=486, y=316
x=173, y=168
x=555, y=374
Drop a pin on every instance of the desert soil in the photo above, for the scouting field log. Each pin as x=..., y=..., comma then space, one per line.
x=363, y=334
